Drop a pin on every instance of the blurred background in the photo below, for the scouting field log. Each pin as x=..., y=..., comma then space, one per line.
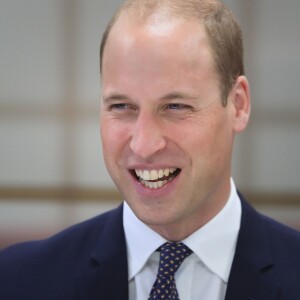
x=51, y=170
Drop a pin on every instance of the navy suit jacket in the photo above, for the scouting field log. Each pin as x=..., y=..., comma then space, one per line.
x=89, y=262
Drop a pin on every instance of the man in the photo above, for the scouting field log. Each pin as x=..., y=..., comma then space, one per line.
x=174, y=96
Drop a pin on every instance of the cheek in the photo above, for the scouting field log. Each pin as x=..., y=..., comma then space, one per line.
x=114, y=135
x=205, y=143
x=191, y=137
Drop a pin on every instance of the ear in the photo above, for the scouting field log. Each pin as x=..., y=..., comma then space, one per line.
x=240, y=99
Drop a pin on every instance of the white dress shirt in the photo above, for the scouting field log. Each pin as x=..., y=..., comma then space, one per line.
x=202, y=275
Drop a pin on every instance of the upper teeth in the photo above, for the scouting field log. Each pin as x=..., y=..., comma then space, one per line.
x=154, y=174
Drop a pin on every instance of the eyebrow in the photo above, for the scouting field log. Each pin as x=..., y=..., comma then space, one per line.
x=177, y=95
x=115, y=97
x=169, y=96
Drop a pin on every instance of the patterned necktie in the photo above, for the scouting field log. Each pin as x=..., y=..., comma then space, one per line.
x=171, y=257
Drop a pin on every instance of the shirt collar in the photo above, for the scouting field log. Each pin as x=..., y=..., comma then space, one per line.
x=214, y=243
x=138, y=233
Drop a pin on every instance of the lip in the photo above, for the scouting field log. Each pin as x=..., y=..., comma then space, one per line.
x=151, y=167
x=144, y=191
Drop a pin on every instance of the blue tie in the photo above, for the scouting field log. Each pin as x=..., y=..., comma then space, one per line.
x=171, y=257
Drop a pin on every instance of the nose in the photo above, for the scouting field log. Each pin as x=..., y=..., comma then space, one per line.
x=147, y=136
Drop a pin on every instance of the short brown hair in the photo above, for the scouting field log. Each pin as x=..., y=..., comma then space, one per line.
x=222, y=29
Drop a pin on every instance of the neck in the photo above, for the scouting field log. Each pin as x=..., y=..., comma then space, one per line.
x=178, y=231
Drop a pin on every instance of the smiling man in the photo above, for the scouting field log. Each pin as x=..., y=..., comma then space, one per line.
x=174, y=97
x=167, y=138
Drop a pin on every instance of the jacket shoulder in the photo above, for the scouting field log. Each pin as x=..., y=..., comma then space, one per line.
x=66, y=239
x=258, y=227
x=54, y=261
x=285, y=240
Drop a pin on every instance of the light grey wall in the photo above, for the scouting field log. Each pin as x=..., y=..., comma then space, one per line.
x=271, y=145
x=49, y=95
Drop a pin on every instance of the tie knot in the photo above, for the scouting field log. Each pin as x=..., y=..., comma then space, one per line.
x=171, y=257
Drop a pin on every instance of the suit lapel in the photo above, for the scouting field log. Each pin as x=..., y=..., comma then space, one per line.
x=253, y=262
x=106, y=274
x=108, y=282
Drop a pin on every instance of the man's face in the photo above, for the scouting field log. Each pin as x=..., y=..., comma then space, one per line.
x=167, y=139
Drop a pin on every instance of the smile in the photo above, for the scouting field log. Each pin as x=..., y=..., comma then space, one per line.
x=155, y=179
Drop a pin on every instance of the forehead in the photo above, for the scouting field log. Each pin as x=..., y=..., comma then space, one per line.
x=158, y=29
x=158, y=45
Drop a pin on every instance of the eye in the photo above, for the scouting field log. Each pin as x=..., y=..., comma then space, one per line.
x=177, y=106
x=120, y=107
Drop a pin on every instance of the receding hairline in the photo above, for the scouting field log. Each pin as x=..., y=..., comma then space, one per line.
x=173, y=9
x=178, y=9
